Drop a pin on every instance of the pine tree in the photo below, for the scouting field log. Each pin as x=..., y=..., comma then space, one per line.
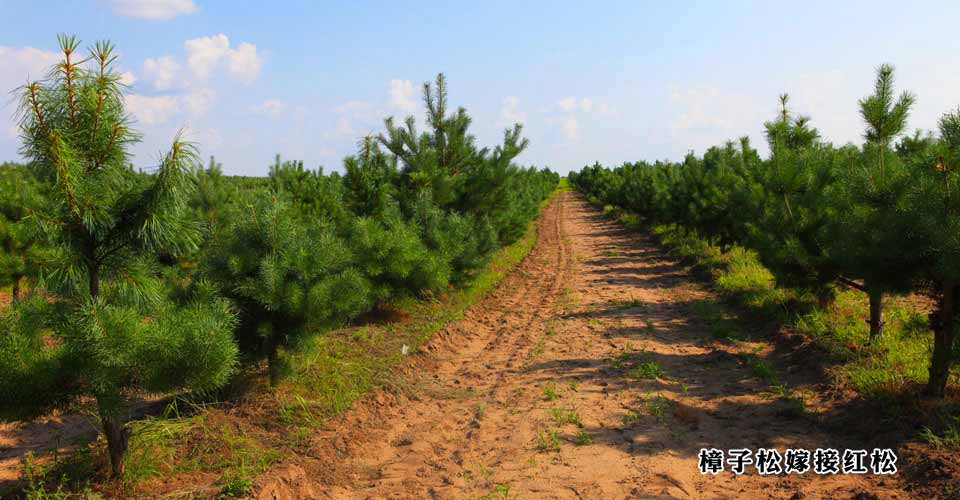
x=309, y=192
x=20, y=251
x=213, y=196
x=935, y=211
x=791, y=236
x=369, y=178
x=113, y=329
x=287, y=274
x=870, y=235
x=434, y=160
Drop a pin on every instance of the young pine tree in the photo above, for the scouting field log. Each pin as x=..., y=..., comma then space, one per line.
x=935, y=209
x=368, y=179
x=214, y=195
x=433, y=160
x=872, y=232
x=112, y=331
x=20, y=252
x=791, y=234
x=287, y=274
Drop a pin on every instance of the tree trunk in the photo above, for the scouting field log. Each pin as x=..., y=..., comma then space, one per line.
x=118, y=436
x=826, y=297
x=943, y=339
x=876, y=314
x=273, y=363
x=94, y=283
x=15, y=292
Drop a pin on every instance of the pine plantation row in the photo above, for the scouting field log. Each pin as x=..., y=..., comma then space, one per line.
x=127, y=282
x=882, y=218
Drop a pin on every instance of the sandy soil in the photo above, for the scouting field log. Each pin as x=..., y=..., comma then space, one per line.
x=475, y=419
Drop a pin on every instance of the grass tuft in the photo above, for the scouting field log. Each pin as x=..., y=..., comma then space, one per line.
x=550, y=391
x=548, y=440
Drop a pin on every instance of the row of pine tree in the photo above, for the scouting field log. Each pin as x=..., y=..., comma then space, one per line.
x=883, y=217
x=127, y=282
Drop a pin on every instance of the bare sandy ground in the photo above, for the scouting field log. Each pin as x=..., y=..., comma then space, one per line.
x=589, y=304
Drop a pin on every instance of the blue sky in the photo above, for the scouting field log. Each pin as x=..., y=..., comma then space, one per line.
x=603, y=81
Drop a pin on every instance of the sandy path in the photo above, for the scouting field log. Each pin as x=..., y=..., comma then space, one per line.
x=588, y=294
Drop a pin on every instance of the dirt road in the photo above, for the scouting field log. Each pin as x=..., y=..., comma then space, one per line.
x=594, y=335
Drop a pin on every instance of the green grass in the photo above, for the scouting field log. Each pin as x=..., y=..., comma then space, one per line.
x=539, y=347
x=583, y=438
x=628, y=304
x=719, y=322
x=237, y=482
x=655, y=406
x=621, y=360
x=563, y=416
x=499, y=492
x=550, y=391
x=548, y=440
x=632, y=417
x=946, y=440
x=884, y=370
x=61, y=479
x=646, y=369
x=479, y=411
x=762, y=369
x=629, y=220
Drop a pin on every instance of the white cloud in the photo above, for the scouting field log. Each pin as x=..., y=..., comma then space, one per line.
x=353, y=114
x=829, y=98
x=157, y=110
x=152, y=110
x=198, y=101
x=209, y=138
x=244, y=63
x=570, y=104
x=607, y=111
x=163, y=71
x=707, y=107
x=128, y=78
x=344, y=127
x=17, y=66
x=157, y=10
x=586, y=105
x=214, y=138
x=567, y=103
x=509, y=112
x=363, y=108
x=702, y=116
x=401, y=95
x=355, y=118
x=205, y=54
x=568, y=112
x=270, y=107
x=194, y=95
x=570, y=128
